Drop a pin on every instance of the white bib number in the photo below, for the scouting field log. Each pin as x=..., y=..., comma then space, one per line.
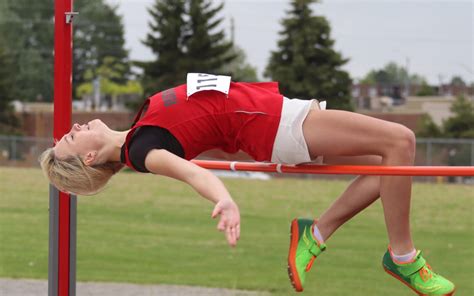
x=196, y=82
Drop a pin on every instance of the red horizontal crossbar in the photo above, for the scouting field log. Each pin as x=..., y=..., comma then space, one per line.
x=338, y=169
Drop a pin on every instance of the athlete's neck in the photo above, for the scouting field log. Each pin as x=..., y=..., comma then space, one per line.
x=117, y=139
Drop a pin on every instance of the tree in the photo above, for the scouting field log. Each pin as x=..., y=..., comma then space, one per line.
x=166, y=42
x=184, y=38
x=426, y=90
x=461, y=125
x=305, y=63
x=427, y=128
x=205, y=51
x=457, y=81
x=98, y=33
x=27, y=28
x=108, y=73
x=8, y=121
x=392, y=74
x=239, y=68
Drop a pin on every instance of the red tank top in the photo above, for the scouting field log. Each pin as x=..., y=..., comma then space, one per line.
x=246, y=119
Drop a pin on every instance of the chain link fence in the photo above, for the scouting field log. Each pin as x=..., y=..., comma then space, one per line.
x=24, y=152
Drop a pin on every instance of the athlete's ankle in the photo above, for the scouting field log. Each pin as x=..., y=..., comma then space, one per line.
x=318, y=237
x=403, y=256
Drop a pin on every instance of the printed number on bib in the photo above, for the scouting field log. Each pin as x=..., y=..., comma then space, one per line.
x=197, y=82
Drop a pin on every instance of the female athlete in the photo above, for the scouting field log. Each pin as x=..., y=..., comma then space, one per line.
x=211, y=113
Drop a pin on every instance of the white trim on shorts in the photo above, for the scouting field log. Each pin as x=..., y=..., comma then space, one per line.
x=290, y=145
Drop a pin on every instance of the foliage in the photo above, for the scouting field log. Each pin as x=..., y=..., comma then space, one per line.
x=239, y=68
x=392, y=74
x=426, y=90
x=184, y=37
x=205, y=51
x=457, y=81
x=427, y=128
x=165, y=40
x=109, y=72
x=28, y=29
x=460, y=125
x=98, y=33
x=305, y=63
x=8, y=121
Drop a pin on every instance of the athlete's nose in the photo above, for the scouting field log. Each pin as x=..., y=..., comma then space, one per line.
x=76, y=127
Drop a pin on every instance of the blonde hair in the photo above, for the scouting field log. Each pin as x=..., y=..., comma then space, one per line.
x=74, y=176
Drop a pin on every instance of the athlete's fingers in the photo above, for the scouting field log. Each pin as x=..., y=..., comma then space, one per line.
x=217, y=210
x=230, y=234
x=237, y=230
x=233, y=235
x=221, y=225
x=227, y=236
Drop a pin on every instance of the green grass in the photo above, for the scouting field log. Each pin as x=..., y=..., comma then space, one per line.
x=149, y=229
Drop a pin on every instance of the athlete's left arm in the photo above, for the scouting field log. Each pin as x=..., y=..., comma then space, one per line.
x=162, y=162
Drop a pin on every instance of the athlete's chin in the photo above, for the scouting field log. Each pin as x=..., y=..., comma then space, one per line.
x=97, y=124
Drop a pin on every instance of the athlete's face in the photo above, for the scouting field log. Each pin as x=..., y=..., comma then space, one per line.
x=84, y=140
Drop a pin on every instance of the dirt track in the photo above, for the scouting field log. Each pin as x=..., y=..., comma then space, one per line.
x=23, y=287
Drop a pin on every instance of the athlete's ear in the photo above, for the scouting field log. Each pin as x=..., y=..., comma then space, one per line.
x=90, y=158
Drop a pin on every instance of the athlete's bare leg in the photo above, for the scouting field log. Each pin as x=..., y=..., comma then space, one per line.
x=361, y=193
x=341, y=133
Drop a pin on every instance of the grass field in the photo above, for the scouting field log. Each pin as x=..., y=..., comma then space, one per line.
x=149, y=229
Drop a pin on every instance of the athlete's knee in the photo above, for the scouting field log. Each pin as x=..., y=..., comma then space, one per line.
x=408, y=140
x=404, y=142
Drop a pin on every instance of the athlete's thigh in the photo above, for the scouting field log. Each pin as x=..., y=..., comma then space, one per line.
x=343, y=133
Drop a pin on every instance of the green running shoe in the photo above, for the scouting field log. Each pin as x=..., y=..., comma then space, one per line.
x=418, y=276
x=303, y=250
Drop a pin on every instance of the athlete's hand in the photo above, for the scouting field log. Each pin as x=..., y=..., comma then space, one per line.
x=229, y=221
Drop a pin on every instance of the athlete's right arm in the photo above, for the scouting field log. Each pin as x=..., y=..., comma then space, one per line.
x=162, y=162
x=219, y=154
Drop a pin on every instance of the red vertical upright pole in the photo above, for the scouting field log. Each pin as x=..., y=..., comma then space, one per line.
x=62, y=68
x=60, y=215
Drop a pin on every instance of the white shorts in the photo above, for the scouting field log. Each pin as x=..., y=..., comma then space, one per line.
x=290, y=145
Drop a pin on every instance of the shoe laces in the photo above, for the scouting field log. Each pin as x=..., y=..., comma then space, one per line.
x=310, y=264
x=426, y=273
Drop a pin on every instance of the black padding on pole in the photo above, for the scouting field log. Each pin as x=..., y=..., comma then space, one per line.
x=53, y=241
x=72, y=244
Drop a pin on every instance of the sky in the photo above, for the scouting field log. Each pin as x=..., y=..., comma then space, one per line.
x=434, y=39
